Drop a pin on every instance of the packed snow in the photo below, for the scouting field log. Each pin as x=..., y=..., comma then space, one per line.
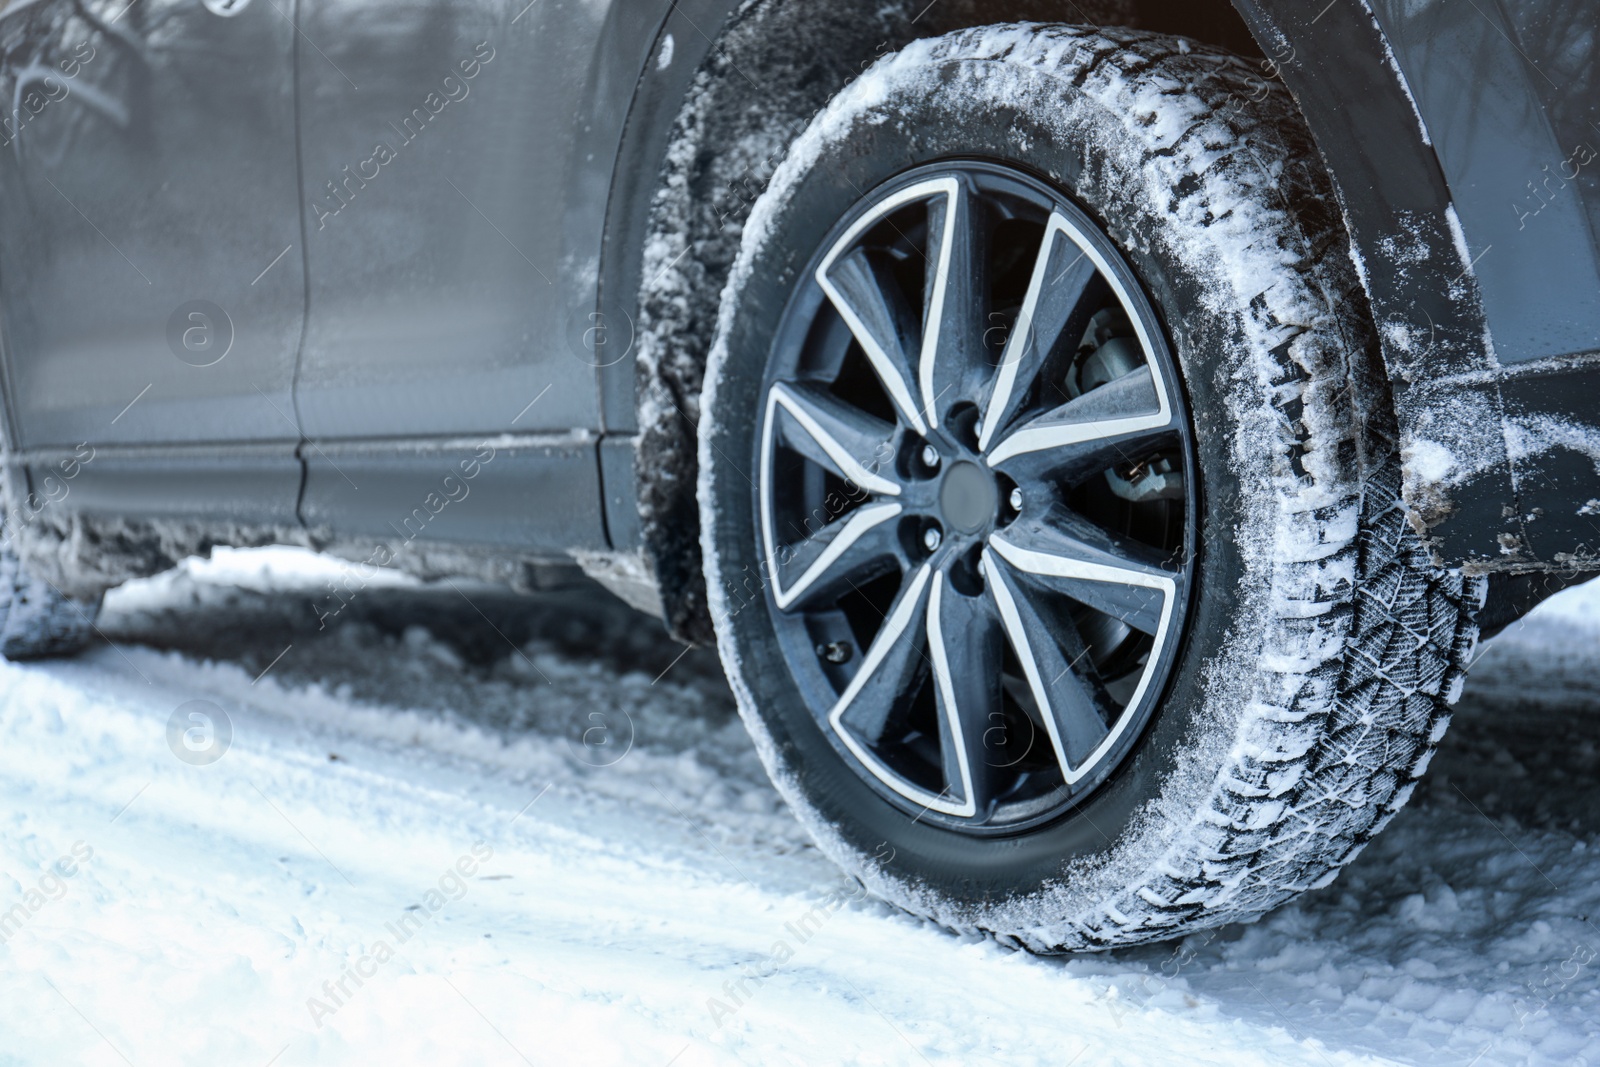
x=453, y=826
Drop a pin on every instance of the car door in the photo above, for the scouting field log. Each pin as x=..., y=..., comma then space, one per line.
x=456, y=159
x=150, y=264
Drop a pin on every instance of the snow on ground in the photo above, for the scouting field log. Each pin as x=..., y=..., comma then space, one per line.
x=459, y=827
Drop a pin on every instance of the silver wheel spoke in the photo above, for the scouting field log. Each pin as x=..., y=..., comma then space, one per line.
x=829, y=432
x=952, y=322
x=1130, y=407
x=1055, y=665
x=1120, y=578
x=1062, y=272
x=873, y=307
x=888, y=669
x=851, y=549
x=964, y=644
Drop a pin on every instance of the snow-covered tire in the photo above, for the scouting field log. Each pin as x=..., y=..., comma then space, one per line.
x=1322, y=647
x=36, y=620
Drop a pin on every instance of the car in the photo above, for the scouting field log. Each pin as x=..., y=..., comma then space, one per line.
x=1094, y=434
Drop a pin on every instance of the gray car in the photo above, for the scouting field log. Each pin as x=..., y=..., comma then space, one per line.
x=1095, y=435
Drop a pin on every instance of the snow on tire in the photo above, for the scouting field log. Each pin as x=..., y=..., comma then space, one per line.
x=1321, y=647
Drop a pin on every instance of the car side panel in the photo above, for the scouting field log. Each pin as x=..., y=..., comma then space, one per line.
x=1519, y=182
x=148, y=222
x=526, y=496
x=437, y=139
x=1505, y=91
x=1561, y=42
x=1488, y=442
x=455, y=207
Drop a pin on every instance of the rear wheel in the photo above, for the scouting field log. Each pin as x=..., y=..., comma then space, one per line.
x=1049, y=508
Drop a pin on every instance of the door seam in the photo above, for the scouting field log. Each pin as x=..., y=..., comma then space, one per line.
x=305, y=268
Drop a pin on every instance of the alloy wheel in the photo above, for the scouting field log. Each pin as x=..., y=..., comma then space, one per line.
x=976, y=498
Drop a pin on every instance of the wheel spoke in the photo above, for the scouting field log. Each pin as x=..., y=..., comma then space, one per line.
x=951, y=363
x=888, y=671
x=1054, y=304
x=1057, y=667
x=879, y=317
x=834, y=434
x=1112, y=417
x=854, y=548
x=964, y=644
x=1121, y=578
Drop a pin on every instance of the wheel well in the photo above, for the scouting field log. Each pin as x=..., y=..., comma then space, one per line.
x=692, y=172
x=1215, y=22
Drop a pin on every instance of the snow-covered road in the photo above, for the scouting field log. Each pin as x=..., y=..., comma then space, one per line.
x=455, y=827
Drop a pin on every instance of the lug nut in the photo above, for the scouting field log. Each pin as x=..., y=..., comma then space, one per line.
x=931, y=538
x=930, y=457
x=1016, y=500
x=977, y=429
x=836, y=651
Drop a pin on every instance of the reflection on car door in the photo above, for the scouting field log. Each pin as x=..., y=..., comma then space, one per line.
x=437, y=137
x=149, y=236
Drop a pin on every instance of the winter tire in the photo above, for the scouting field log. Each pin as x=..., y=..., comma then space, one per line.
x=36, y=619
x=1049, y=497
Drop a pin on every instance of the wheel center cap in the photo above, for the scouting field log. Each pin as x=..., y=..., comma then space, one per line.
x=968, y=498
